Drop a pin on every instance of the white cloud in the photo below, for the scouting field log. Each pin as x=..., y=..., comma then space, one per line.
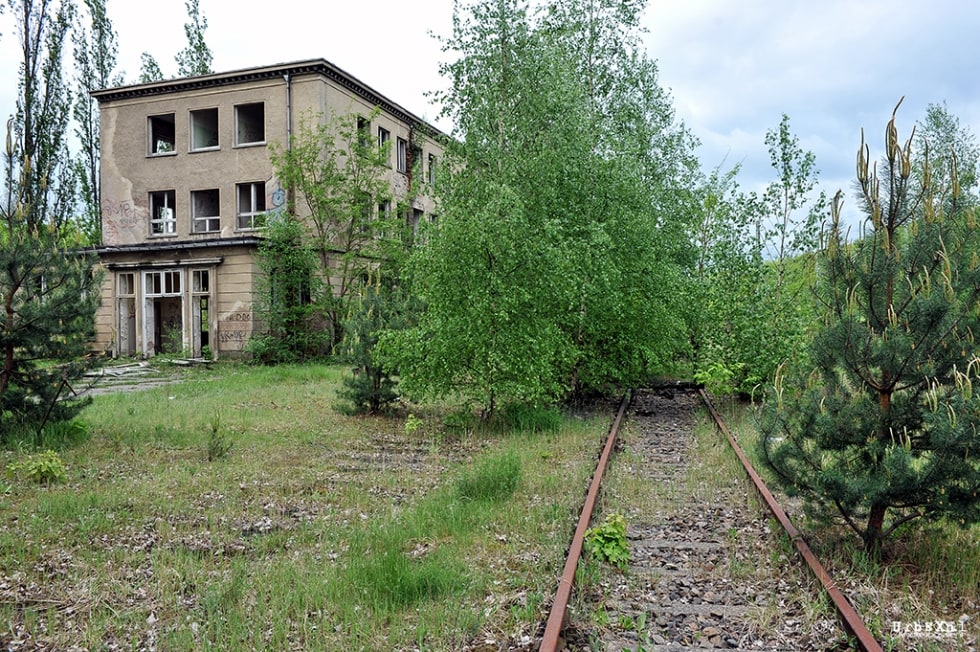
x=732, y=68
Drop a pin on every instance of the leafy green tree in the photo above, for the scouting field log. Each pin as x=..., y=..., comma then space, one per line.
x=337, y=178
x=548, y=271
x=196, y=57
x=96, y=52
x=48, y=289
x=938, y=138
x=726, y=286
x=881, y=425
x=39, y=137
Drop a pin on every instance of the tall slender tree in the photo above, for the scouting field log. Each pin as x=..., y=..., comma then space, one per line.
x=96, y=53
x=196, y=57
x=149, y=69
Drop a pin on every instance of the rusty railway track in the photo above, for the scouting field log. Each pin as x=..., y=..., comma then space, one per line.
x=552, y=640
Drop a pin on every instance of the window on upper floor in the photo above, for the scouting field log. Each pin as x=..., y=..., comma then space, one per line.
x=163, y=217
x=204, y=129
x=415, y=160
x=251, y=204
x=205, y=211
x=160, y=134
x=363, y=131
x=384, y=137
x=432, y=168
x=250, y=124
x=402, y=155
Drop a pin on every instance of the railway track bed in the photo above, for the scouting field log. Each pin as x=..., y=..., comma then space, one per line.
x=709, y=568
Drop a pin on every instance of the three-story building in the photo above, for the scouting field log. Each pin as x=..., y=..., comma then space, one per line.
x=186, y=181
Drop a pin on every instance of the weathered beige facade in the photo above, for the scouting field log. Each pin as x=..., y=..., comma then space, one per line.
x=186, y=179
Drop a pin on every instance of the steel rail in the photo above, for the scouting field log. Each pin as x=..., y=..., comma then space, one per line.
x=849, y=617
x=559, y=608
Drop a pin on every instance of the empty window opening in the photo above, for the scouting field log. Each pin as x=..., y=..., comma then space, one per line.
x=432, y=168
x=204, y=129
x=160, y=130
x=415, y=160
x=251, y=205
x=163, y=218
x=250, y=124
x=384, y=220
x=200, y=297
x=163, y=312
x=205, y=211
x=363, y=132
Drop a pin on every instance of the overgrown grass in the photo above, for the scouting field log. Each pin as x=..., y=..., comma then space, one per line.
x=237, y=510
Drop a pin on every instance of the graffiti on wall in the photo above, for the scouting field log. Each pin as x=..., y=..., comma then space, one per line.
x=234, y=329
x=119, y=217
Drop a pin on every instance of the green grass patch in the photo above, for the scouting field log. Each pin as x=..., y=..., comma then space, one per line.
x=235, y=509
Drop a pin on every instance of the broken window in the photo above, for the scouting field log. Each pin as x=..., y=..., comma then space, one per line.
x=163, y=219
x=160, y=133
x=163, y=284
x=205, y=211
x=204, y=129
x=201, y=324
x=415, y=161
x=163, y=320
x=250, y=124
x=251, y=205
x=363, y=132
x=126, y=313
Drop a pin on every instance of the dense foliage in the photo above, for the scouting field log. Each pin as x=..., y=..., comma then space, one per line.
x=750, y=307
x=881, y=425
x=551, y=268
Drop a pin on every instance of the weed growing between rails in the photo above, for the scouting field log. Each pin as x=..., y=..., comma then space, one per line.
x=281, y=541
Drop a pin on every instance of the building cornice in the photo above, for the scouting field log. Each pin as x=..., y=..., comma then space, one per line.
x=172, y=246
x=320, y=67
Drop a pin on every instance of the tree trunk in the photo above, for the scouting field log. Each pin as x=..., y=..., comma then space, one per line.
x=873, y=532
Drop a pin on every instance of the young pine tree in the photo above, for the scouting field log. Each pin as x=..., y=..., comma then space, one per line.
x=882, y=424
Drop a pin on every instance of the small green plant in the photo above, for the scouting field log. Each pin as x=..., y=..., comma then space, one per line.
x=607, y=542
x=219, y=443
x=413, y=424
x=44, y=468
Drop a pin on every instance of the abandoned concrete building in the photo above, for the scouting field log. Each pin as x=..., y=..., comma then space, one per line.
x=186, y=180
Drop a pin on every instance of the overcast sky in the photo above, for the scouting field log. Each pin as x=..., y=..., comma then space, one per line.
x=733, y=67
